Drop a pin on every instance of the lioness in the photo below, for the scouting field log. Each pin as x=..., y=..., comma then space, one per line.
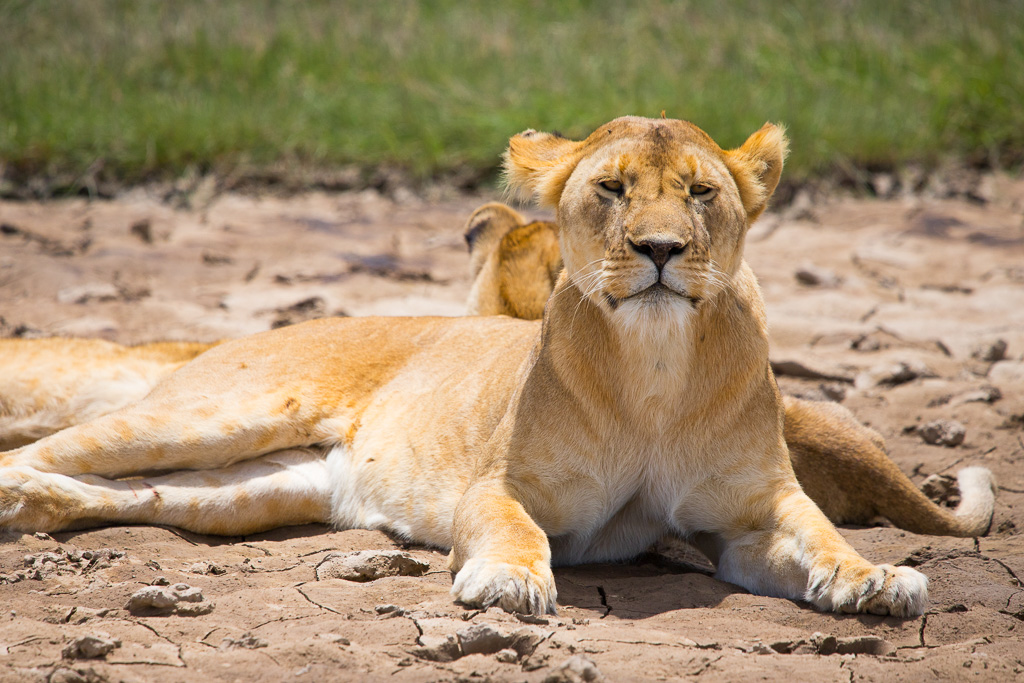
x=642, y=404
x=840, y=463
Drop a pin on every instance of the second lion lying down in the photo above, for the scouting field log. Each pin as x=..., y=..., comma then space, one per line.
x=642, y=404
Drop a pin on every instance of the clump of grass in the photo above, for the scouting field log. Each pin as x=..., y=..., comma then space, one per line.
x=147, y=89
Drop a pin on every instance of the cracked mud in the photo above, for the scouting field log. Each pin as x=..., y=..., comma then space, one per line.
x=903, y=325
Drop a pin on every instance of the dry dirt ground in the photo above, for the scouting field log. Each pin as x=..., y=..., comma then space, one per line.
x=930, y=284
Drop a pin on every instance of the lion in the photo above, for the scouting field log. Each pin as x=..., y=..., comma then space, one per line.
x=642, y=404
x=840, y=463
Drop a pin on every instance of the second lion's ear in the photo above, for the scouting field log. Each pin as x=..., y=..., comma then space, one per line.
x=537, y=165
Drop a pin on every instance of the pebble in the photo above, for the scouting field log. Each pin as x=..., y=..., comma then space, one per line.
x=484, y=639
x=180, y=599
x=369, y=565
x=389, y=611
x=816, y=276
x=507, y=656
x=89, y=647
x=990, y=352
x=948, y=433
x=893, y=374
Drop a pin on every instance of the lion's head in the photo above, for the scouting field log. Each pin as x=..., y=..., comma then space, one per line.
x=652, y=212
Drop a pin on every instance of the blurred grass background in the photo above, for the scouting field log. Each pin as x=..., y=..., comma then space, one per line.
x=147, y=89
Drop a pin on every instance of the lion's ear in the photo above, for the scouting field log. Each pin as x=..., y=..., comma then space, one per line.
x=537, y=165
x=757, y=166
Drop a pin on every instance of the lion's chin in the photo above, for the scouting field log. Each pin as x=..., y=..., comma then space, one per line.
x=656, y=308
x=659, y=295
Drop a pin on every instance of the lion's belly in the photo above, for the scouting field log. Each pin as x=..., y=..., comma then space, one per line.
x=394, y=492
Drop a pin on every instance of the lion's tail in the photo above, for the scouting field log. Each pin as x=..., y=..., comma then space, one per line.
x=843, y=467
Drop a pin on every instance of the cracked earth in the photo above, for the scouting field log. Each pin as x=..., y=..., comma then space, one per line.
x=909, y=311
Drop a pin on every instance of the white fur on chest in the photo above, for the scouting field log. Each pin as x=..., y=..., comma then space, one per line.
x=633, y=507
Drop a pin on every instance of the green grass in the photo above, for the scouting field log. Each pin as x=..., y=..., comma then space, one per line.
x=143, y=89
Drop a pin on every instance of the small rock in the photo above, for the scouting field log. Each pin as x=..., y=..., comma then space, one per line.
x=207, y=568
x=574, y=670
x=816, y=276
x=948, y=433
x=161, y=581
x=187, y=593
x=986, y=394
x=893, y=374
x=89, y=647
x=866, y=343
x=990, y=352
x=507, y=656
x=389, y=611
x=152, y=599
x=368, y=565
x=179, y=599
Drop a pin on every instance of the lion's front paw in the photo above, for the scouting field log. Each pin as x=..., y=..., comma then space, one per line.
x=483, y=583
x=882, y=589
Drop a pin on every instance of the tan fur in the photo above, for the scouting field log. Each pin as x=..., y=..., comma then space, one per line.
x=642, y=404
x=840, y=463
x=515, y=263
x=49, y=384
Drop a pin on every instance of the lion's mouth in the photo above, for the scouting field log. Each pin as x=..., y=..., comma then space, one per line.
x=659, y=292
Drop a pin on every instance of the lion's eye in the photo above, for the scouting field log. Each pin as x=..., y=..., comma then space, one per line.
x=702, y=192
x=611, y=185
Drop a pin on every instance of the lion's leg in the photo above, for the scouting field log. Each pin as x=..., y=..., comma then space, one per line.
x=188, y=422
x=145, y=438
x=786, y=547
x=50, y=384
x=287, y=487
x=500, y=554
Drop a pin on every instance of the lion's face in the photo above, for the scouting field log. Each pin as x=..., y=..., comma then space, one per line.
x=653, y=213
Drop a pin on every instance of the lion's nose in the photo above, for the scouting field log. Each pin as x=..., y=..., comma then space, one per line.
x=659, y=250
